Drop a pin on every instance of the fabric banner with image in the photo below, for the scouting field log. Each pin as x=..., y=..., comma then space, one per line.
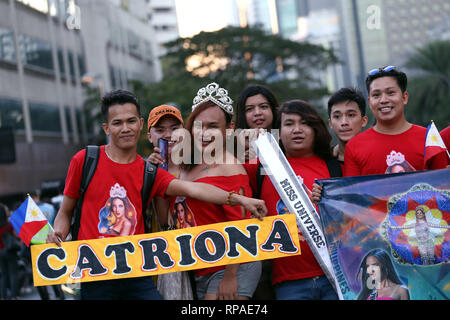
x=164, y=252
x=389, y=235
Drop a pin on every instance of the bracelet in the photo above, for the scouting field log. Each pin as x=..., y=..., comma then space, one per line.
x=229, y=197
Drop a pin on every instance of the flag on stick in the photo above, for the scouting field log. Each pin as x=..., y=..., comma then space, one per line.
x=433, y=143
x=30, y=223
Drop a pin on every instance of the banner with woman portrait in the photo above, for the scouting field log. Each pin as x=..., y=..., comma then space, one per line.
x=389, y=235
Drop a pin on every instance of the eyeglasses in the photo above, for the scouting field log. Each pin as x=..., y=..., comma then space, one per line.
x=385, y=69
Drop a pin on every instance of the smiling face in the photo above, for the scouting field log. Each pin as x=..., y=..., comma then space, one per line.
x=387, y=101
x=164, y=128
x=123, y=126
x=346, y=120
x=258, y=113
x=420, y=213
x=209, y=129
x=297, y=137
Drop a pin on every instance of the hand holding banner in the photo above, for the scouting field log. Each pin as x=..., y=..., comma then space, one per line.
x=296, y=200
x=401, y=220
x=163, y=252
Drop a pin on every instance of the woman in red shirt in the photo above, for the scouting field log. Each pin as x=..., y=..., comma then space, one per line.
x=305, y=140
x=211, y=163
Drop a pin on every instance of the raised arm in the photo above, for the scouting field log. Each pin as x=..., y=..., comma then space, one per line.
x=209, y=193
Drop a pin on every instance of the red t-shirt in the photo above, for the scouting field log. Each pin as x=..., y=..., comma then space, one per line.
x=445, y=135
x=199, y=213
x=112, y=203
x=304, y=265
x=371, y=152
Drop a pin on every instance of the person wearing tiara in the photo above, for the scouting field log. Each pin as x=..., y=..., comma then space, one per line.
x=208, y=161
x=421, y=232
x=366, y=153
x=121, y=168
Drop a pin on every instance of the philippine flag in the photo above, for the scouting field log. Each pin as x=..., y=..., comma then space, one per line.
x=30, y=223
x=433, y=143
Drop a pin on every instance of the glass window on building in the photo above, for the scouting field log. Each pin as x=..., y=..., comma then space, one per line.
x=287, y=17
x=71, y=65
x=148, y=52
x=81, y=65
x=61, y=62
x=11, y=114
x=68, y=119
x=36, y=53
x=45, y=118
x=134, y=43
x=7, y=49
x=39, y=5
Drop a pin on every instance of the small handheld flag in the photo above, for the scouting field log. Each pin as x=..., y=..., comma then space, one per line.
x=30, y=223
x=433, y=143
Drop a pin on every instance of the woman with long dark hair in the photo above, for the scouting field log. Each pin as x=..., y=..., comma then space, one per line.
x=256, y=108
x=305, y=140
x=379, y=280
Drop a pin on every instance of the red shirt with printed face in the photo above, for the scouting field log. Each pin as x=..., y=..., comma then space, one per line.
x=371, y=152
x=112, y=203
x=304, y=265
x=203, y=213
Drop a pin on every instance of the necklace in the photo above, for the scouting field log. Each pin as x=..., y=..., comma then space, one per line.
x=109, y=157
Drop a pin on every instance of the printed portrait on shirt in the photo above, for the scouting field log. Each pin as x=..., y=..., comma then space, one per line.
x=118, y=216
x=182, y=215
x=397, y=163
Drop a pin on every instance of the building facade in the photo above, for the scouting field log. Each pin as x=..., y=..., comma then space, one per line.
x=50, y=51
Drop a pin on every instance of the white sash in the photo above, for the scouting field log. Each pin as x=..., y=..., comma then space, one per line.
x=296, y=200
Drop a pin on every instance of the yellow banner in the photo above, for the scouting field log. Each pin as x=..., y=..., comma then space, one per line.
x=163, y=252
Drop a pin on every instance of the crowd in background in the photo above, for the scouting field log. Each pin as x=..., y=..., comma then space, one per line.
x=304, y=138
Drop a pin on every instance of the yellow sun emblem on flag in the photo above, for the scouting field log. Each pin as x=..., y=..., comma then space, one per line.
x=34, y=213
x=434, y=138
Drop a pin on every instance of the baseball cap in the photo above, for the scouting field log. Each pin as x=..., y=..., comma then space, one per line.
x=161, y=111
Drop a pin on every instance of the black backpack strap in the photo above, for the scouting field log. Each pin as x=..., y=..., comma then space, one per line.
x=89, y=167
x=334, y=167
x=147, y=185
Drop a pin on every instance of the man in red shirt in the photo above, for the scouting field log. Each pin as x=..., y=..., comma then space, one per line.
x=346, y=117
x=392, y=144
x=114, y=193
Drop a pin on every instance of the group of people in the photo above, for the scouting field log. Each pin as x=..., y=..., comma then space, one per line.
x=204, y=183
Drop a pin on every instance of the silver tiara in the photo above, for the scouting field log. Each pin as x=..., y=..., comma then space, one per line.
x=213, y=92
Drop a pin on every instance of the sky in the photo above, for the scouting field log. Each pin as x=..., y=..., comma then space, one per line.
x=202, y=15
